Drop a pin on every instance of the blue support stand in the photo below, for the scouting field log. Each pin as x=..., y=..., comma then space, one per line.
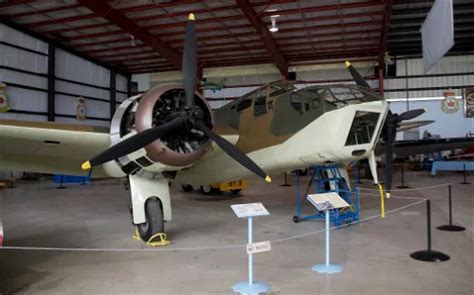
x=334, y=182
x=327, y=267
x=250, y=287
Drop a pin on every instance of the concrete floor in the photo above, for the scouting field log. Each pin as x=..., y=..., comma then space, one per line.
x=374, y=253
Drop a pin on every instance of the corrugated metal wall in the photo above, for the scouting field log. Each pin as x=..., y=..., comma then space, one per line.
x=24, y=68
x=454, y=72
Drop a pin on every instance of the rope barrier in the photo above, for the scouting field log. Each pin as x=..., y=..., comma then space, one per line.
x=203, y=248
x=409, y=189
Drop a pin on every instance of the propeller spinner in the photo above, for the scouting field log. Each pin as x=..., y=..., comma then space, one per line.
x=190, y=117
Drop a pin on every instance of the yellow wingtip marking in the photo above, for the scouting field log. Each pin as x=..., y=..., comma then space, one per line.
x=347, y=63
x=268, y=178
x=191, y=16
x=86, y=165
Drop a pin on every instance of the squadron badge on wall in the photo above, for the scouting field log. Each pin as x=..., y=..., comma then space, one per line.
x=81, y=110
x=3, y=98
x=449, y=104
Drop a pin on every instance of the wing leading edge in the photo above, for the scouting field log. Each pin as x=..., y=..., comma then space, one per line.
x=48, y=147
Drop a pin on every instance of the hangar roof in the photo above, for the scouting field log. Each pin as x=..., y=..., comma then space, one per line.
x=147, y=35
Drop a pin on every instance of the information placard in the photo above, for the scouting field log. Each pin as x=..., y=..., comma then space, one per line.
x=259, y=247
x=327, y=201
x=469, y=102
x=249, y=210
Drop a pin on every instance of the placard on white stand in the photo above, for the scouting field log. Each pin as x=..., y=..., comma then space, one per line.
x=249, y=211
x=326, y=202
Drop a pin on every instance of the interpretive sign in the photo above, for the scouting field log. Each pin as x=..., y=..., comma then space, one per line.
x=249, y=210
x=469, y=102
x=327, y=201
x=259, y=247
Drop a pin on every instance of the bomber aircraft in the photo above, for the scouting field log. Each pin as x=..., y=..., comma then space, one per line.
x=169, y=134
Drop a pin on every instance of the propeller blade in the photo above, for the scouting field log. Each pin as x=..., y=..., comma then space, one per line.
x=190, y=61
x=408, y=115
x=390, y=138
x=232, y=151
x=356, y=76
x=134, y=143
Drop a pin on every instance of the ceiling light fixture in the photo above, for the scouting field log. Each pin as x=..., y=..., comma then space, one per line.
x=132, y=41
x=274, y=27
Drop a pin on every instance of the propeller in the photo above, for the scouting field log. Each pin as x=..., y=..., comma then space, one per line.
x=234, y=152
x=190, y=117
x=133, y=143
x=389, y=131
x=190, y=61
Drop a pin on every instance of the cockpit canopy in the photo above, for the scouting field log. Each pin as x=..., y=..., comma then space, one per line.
x=336, y=96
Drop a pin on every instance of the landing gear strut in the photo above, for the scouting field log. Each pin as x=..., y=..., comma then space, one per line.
x=151, y=206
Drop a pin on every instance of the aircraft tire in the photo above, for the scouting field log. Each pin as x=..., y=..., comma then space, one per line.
x=206, y=189
x=154, y=220
x=235, y=191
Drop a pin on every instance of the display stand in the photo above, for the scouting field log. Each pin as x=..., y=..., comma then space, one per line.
x=249, y=211
x=327, y=267
x=403, y=178
x=429, y=255
x=285, y=175
x=1, y=221
x=11, y=182
x=328, y=178
x=450, y=226
x=464, y=172
x=327, y=202
x=61, y=186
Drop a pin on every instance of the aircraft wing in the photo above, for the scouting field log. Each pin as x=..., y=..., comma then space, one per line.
x=407, y=125
x=412, y=147
x=48, y=147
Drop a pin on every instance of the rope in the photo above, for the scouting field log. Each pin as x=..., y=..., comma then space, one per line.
x=409, y=189
x=63, y=249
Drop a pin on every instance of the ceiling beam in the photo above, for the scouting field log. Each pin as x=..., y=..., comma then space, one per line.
x=270, y=44
x=325, y=8
x=116, y=17
x=41, y=11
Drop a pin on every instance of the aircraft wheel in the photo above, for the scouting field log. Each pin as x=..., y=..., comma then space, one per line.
x=154, y=219
x=296, y=219
x=187, y=188
x=206, y=189
x=235, y=191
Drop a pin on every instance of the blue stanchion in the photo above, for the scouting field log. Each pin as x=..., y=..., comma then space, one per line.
x=327, y=267
x=250, y=287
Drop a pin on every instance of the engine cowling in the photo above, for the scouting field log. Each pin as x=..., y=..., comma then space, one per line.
x=157, y=106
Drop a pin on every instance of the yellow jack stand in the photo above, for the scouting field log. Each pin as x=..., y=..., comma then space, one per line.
x=382, y=201
x=151, y=242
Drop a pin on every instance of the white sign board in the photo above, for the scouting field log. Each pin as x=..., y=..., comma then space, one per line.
x=437, y=33
x=327, y=201
x=259, y=247
x=249, y=210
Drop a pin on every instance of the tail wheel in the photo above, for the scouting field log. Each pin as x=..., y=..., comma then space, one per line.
x=154, y=219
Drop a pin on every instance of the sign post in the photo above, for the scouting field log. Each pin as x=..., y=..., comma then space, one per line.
x=249, y=211
x=326, y=202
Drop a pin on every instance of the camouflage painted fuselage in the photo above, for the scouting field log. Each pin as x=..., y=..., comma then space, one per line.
x=282, y=128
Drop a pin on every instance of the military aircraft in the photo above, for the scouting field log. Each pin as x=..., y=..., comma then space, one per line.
x=169, y=134
x=213, y=86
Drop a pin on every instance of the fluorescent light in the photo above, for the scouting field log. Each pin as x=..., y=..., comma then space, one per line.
x=273, y=29
x=420, y=98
